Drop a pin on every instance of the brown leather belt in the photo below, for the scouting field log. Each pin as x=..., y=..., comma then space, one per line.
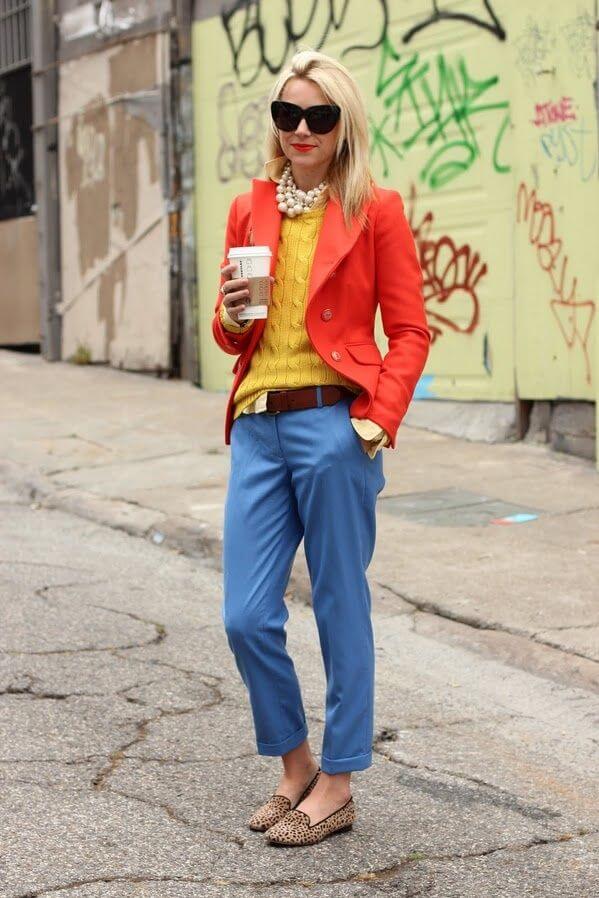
x=305, y=397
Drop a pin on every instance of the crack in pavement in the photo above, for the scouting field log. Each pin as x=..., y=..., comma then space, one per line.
x=25, y=685
x=160, y=628
x=15, y=689
x=190, y=672
x=389, y=872
x=430, y=724
x=557, y=514
x=63, y=567
x=159, y=637
x=87, y=648
x=362, y=876
x=417, y=857
x=168, y=809
x=177, y=817
x=122, y=693
x=164, y=762
x=66, y=761
x=116, y=461
x=235, y=840
x=41, y=591
x=426, y=606
x=59, y=490
x=58, y=696
x=77, y=436
x=499, y=798
x=567, y=627
x=116, y=757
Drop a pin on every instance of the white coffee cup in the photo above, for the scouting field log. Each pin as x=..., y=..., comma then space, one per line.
x=253, y=263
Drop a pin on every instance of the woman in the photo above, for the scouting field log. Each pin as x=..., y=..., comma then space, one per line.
x=312, y=404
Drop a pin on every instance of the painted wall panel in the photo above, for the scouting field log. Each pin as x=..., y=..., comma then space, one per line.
x=556, y=205
x=19, y=293
x=114, y=224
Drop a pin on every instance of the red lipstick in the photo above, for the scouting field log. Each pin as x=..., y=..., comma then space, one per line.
x=302, y=147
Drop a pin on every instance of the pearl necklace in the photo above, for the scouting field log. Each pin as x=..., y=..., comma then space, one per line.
x=293, y=201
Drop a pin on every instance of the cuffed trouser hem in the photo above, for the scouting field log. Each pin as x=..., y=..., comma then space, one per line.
x=281, y=748
x=344, y=765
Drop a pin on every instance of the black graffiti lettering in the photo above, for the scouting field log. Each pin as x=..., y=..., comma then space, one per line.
x=490, y=23
x=241, y=134
x=250, y=30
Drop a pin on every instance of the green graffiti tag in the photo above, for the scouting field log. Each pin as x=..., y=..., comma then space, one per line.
x=435, y=111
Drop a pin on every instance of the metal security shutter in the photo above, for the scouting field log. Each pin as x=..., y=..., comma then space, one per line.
x=16, y=139
x=15, y=45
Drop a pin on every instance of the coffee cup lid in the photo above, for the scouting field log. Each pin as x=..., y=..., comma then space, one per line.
x=236, y=251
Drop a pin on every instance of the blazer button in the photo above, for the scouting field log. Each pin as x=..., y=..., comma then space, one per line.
x=336, y=355
x=326, y=314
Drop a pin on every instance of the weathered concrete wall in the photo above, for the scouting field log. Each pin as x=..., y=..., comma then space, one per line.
x=19, y=297
x=114, y=223
x=486, y=124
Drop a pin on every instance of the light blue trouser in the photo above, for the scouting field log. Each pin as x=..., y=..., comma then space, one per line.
x=294, y=474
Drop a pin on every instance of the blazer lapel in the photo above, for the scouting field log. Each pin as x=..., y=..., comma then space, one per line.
x=266, y=218
x=334, y=241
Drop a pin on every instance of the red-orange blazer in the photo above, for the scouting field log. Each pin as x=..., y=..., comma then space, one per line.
x=352, y=271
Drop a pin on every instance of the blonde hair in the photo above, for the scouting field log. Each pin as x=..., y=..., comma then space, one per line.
x=349, y=177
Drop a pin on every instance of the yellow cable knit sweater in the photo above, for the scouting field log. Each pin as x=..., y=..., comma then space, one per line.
x=284, y=357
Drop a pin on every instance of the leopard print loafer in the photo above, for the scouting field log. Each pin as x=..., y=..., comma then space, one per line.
x=295, y=827
x=276, y=807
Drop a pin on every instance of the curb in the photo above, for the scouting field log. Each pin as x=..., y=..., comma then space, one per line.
x=195, y=539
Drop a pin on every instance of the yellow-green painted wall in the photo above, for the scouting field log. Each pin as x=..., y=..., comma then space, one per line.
x=556, y=211
x=487, y=126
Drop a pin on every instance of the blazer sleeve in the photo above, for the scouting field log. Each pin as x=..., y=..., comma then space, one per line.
x=233, y=342
x=399, y=283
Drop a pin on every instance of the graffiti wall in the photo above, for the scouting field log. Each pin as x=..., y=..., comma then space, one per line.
x=556, y=209
x=114, y=221
x=481, y=114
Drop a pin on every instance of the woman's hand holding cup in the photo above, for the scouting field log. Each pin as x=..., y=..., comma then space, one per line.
x=235, y=291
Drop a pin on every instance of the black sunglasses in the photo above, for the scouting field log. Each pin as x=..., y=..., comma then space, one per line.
x=320, y=119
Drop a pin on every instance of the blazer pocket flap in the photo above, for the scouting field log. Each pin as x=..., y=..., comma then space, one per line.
x=367, y=353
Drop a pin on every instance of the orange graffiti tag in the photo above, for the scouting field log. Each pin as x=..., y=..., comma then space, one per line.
x=451, y=276
x=574, y=316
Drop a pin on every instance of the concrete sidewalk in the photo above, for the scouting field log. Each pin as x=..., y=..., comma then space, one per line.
x=148, y=456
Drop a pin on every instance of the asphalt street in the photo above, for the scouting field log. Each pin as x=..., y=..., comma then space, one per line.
x=128, y=763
